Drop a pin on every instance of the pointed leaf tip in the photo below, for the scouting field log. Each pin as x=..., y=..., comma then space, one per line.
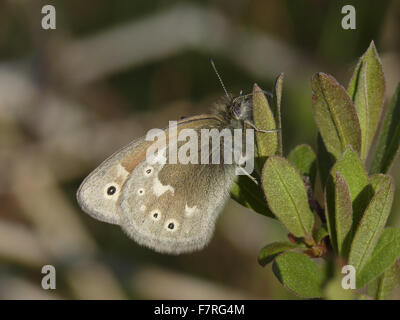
x=335, y=115
x=367, y=89
x=267, y=142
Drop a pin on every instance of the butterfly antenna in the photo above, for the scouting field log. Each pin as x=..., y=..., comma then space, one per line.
x=219, y=77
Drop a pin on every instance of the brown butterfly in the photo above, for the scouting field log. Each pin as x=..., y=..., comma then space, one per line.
x=171, y=208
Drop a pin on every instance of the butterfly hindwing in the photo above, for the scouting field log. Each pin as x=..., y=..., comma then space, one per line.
x=172, y=208
x=174, y=211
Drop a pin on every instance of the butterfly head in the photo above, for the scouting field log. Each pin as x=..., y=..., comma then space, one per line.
x=240, y=108
x=235, y=111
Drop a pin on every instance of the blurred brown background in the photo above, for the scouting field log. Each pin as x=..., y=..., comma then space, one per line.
x=114, y=69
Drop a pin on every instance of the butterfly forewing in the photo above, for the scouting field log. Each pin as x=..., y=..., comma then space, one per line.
x=99, y=193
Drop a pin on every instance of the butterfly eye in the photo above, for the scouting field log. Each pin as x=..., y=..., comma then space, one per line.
x=237, y=109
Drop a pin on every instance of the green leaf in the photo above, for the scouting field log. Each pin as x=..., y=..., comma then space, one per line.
x=382, y=258
x=335, y=115
x=277, y=109
x=267, y=142
x=270, y=251
x=320, y=234
x=343, y=215
x=388, y=282
x=305, y=160
x=325, y=160
x=248, y=194
x=351, y=168
x=287, y=196
x=299, y=273
x=371, y=290
x=377, y=180
x=389, y=137
x=333, y=290
x=381, y=288
x=371, y=226
x=367, y=89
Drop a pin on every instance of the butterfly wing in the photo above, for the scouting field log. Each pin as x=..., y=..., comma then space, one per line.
x=172, y=208
x=96, y=195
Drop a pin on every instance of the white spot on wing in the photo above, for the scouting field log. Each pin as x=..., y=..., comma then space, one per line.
x=159, y=188
x=143, y=208
x=189, y=211
x=121, y=171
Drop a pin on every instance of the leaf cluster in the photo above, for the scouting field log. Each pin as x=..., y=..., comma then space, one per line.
x=346, y=223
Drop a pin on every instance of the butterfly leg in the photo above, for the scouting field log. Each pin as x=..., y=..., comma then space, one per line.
x=260, y=130
x=249, y=175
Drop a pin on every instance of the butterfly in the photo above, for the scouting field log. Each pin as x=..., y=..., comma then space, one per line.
x=170, y=208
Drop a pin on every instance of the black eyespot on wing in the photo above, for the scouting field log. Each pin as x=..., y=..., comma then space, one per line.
x=148, y=171
x=111, y=190
x=171, y=225
x=155, y=215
